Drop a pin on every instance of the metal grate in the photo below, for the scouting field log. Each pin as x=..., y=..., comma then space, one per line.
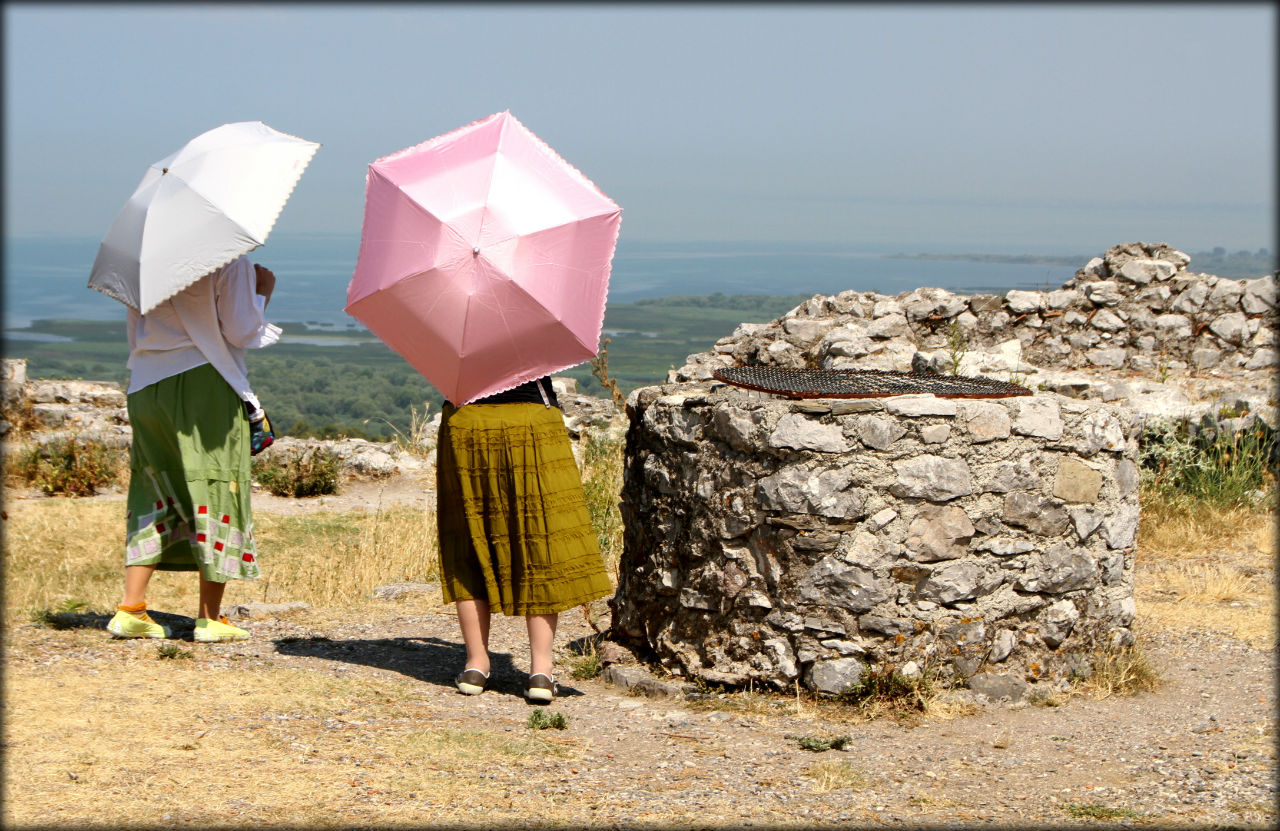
x=863, y=383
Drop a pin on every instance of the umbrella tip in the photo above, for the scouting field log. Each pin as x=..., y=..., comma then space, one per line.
x=475, y=250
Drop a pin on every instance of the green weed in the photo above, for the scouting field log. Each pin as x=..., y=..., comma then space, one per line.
x=540, y=719
x=1208, y=461
x=957, y=346
x=818, y=745
x=172, y=652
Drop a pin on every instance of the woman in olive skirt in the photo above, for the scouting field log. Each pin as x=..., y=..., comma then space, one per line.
x=514, y=528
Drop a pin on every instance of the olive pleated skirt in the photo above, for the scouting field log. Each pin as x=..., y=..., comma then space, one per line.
x=512, y=515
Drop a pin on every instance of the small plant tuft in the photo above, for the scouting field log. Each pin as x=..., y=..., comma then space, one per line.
x=313, y=473
x=883, y=688
x=66, y=616
x=1081, y=810
x=540, y=719
x=819, y=745
x=957, y=346
x=172, y=652
x=585, y=664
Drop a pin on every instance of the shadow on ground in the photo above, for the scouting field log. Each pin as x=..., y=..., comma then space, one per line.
x=429, y=660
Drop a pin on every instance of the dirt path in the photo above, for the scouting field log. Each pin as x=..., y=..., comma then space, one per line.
x=321, y=719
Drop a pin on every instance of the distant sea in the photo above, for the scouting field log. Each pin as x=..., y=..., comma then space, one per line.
x=46, y=277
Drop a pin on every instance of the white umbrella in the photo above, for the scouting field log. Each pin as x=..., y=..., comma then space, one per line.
x=199, y=209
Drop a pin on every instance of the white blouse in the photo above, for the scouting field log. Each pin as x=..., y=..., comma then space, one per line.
x=213, y=321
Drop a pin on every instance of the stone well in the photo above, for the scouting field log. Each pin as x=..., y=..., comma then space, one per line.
x=772, y=540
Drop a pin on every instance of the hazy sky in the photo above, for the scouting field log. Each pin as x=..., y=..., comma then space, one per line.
x=1004, y=128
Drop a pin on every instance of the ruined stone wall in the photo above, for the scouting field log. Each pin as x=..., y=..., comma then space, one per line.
x=1137, y=308
x=770, y=540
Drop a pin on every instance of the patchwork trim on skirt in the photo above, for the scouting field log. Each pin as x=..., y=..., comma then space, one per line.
x=511, y=512
x=189, y=480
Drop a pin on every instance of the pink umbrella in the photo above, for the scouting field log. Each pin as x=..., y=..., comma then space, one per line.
x=484, y=260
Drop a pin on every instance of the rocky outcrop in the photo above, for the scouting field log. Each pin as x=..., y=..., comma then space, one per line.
x=775, y=541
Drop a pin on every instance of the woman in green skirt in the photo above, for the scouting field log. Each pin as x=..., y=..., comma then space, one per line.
x=514, y=528
x=190, y=407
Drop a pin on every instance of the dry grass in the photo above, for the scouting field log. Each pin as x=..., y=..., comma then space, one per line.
x=1201, y=568
x=837, y=775
x=322, y=559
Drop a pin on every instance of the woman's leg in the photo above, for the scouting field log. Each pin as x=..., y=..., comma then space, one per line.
x=542, y=633
x=136, y=579
x=211, y=598
x=473, y=618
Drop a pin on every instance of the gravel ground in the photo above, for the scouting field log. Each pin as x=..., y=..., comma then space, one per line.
x=1199, y=750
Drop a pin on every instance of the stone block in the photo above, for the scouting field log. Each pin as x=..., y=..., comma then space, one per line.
x=889, y=326
x=1035, y=513
x=1263, y=359
x=1111, y=358
x=1038, y=417
x=998, y=687
x=1076, y=481
x=939, y=534
x=1107, y=321
x=878, y=433
x=935, y=434
x=956, y=581
x=1103, y=293
x=1232, y=328
x=835, y=676
x=833, y=583
x=1057, y=623
x=986, y=421
x=802, y=433
x=1060, y=569
x=914, y=406
x=930, y=477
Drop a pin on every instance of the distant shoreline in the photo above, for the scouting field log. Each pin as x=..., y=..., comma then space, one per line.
x=1003, y=259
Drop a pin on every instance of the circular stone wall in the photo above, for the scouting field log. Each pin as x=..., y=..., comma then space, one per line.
x=771, y=541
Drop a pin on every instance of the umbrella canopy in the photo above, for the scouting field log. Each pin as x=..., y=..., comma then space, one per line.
x=198, y=209
x=484, y=259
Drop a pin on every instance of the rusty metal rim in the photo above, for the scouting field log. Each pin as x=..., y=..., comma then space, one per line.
x=941, y=386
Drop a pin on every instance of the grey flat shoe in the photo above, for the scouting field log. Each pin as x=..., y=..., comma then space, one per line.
x=472, y=682
x=541, y=688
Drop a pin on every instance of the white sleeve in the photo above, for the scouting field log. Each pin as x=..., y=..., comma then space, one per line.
x=241, y=310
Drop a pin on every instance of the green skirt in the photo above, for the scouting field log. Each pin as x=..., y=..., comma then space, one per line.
x=189, y=481
x=512, y=515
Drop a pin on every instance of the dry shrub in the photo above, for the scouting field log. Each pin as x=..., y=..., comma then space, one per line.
x=602, y=484
x=71, y=467
x=1121, y=672
x=313, y=472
